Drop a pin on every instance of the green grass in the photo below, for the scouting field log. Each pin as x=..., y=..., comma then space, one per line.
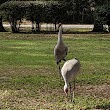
x=29, y=77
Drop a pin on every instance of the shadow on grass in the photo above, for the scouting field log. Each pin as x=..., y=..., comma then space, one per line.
x=104, y=106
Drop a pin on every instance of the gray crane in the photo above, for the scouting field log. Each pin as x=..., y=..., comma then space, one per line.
x=69, y=72
x=60, y=50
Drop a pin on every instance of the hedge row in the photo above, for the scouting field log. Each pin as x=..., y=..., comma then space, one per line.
x=54, y=12
x=36, y=12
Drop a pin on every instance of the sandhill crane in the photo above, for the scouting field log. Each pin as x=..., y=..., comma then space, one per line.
x=60, y=50
x=69, y=72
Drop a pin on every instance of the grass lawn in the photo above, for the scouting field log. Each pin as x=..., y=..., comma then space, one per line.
x=29, y=78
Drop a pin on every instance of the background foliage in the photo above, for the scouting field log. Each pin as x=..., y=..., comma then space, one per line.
x=72, y=11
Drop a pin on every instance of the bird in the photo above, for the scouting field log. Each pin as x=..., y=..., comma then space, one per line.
x=69, y=72
x=60, y=50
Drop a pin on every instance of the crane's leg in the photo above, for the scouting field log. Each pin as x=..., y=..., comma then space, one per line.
x=64, y=59
x=59, y=68
x=70, y=92
x=73, y=97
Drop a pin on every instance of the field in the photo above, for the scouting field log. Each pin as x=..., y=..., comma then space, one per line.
x=29, y=78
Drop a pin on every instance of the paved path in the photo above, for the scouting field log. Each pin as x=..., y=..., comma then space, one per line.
x=65, y=25
x=78, y=26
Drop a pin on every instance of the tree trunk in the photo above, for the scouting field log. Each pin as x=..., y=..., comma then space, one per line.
x=55, y=26
x=13, y=24
x=1, y=25
x=108, y=21
x=98, y=27
x=37, y=26
x=33, y=26
x=13, y=27
x=109, y=28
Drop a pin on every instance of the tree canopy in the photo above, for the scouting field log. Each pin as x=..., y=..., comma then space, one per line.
x=1, y=24
x=72, y=11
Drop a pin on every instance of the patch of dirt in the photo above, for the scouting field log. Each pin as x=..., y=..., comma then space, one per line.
x=98, y=91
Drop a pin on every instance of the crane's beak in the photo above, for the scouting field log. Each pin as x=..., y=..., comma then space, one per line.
x=66, y=92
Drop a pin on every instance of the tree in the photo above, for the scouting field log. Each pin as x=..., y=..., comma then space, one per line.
x=100, y=2
x=14, y=12
x=101, y=17
x=80, y=11
x=1, y=23
x=54, y=12
x=3, y=1
x=108, y=19
x=34, y=14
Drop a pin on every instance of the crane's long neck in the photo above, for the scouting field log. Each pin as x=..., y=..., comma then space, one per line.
x=66, y=83
x=60, y=39
x=66, y=88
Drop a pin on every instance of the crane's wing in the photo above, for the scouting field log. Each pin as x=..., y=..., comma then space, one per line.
x=60, y=51
x=66, y=50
